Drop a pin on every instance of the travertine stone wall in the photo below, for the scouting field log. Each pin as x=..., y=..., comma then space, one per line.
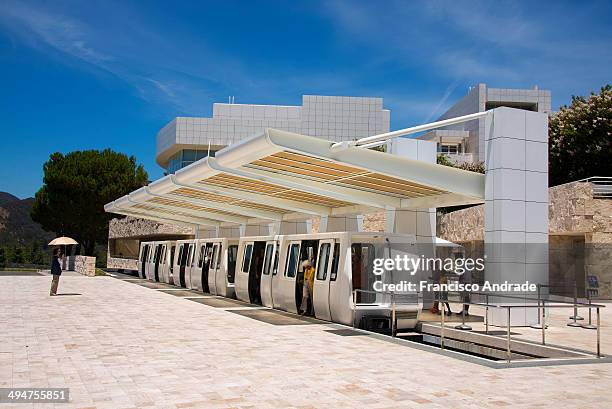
x=133, y=227
x=462, y=225
x=571, y=208
x=374, y=222
x=580, y=228
x=574, y=212
x=83, y=265
x=122, y=263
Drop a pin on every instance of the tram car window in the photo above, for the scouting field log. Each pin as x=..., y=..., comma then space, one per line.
x=292, y=260
x=323, y=260
x=232, y=255
x=362, y=261
x=248, y=252
x=268, y=261
x=219, y=256
x=276, y=254
x=335, y=259
x=201, y=256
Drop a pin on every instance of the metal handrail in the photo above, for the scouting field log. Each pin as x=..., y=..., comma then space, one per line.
x=597, y=307
x=523, y=298
x=602, y=186
x=541, y=306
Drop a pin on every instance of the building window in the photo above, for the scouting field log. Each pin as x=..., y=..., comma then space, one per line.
x=186, y=157
x=452, y=149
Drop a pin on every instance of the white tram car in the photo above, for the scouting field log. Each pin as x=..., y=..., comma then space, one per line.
x=267, y=270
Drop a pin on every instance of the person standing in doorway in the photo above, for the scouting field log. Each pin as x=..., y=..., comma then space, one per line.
x=56, y=270
x=306, y=304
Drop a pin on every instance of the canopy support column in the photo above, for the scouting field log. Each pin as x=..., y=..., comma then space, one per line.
x=330, y=224
x=516, y=206
x=290, y=227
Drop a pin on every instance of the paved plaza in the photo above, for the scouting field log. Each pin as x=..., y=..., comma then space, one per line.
x=117, y=344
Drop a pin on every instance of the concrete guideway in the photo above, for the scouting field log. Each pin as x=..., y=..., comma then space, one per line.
x=121, y=345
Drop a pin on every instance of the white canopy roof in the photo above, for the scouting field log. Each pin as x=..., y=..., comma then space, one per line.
x=278, y=175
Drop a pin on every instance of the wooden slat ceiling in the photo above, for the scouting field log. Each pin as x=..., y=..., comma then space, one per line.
x=325, y=171
x=187, y=205
x=162, y=211
x=213, y=197
x=255, y=186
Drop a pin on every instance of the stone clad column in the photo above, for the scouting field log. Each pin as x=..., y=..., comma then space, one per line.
x=288, y=227
x=420, y=222
x=516, y=205
x=330, y=224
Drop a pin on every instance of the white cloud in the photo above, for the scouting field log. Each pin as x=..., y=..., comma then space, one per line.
x=505, y=43
x=61, y=33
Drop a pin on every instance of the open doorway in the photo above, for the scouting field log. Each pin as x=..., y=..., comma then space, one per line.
x=204, y=263
x=184, y=257
x=171, y=266
x=305, y=277
x=255, y=271
x=156, y=260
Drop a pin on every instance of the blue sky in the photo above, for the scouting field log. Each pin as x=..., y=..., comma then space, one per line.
x=82, y=75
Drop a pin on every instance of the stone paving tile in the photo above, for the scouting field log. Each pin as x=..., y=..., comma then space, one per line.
x=121, y=345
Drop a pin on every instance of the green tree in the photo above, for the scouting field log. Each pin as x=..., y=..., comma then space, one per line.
x=3, y=260
x=18, y=256
x=77, y=186
x=36, y=254
x=580, y=138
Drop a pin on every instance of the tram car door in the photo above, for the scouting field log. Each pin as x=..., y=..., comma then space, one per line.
x=189, y=265
x=144, y=251
x=327, y=261
x=179, y=267
x=270, y=268
x=287, y=283
x=157, y=261
x=213, y=268
x=228, y=267
x=197, y=278
x=150, y=248
x=208, y=250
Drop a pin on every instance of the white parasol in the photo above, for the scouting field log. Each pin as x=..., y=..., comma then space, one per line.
x=62, y=241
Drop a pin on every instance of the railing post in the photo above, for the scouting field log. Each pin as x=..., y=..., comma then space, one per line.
x=463, y=326
x=539, y=323
x=543, y=322
x=576, y=316
x=598, y=335
x=590, y=324
x=393, y=323
x=354, y=307
x=442, y=330
x=509, y=351
x=487, y=315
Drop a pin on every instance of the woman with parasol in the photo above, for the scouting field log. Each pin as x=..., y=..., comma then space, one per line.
x=56, y=266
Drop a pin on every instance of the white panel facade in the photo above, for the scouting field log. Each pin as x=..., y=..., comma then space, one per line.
x=477, y=100
x=329, y=117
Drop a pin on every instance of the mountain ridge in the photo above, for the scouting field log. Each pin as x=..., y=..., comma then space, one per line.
x=16, y=224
